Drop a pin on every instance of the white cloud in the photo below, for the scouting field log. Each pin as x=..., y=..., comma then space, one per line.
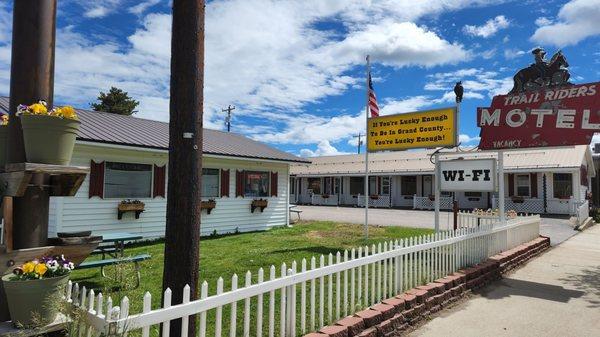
x=269, y=58
x=477, y=82
x=140, y=8
x=100, y=8
x=489, y=28
x=542, y=21
x=324, y=148
x=577, y=20
x=513, y=53
x=466, y=139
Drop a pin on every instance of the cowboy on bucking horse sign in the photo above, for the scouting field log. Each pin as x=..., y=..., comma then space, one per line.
x=542, y=74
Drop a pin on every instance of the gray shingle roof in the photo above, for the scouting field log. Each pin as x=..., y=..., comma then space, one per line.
x=110, y=128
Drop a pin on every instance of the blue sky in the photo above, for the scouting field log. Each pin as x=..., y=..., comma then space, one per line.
x=295, y=69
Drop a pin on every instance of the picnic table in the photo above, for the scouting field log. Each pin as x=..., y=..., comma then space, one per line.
x=293, y=209
x=112, y=249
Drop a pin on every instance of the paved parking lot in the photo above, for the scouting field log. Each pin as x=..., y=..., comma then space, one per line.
x=558, y=229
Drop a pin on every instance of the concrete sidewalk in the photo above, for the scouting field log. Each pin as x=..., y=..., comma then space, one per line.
x=556, y=294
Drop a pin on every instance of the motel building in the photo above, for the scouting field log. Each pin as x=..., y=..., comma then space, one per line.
x=128, y=160
x=539, y=181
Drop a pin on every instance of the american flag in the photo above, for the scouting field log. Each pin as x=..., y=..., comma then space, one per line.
x=372, y=99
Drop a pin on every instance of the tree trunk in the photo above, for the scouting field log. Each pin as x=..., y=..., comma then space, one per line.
x=182, y=232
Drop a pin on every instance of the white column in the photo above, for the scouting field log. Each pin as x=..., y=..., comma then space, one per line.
x=437, y=193
x=501, y=187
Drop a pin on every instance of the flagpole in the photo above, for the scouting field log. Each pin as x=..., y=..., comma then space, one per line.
x=367, y=151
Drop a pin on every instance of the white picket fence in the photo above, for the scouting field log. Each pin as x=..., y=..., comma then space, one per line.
x=473, y=220
x=583, y=212
x=317, y=292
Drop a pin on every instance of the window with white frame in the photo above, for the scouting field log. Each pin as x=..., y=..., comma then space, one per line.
x=372, y=185
x=562, y=184
x=523, y=185
x=256, y=184
x=127, y=180
x=314, y=184
x=210, y=182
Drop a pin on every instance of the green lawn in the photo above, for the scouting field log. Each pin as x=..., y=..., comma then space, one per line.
x=225, y=255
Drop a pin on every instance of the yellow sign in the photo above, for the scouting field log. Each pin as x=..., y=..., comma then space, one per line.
x=421, y=129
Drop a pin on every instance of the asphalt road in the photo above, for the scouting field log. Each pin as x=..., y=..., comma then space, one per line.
x=556, y=228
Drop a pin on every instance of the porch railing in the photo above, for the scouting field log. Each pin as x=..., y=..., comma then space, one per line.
x=536, y=205
x=375, y=201
x=429, y=203
x=330, y=200
x=315, y=292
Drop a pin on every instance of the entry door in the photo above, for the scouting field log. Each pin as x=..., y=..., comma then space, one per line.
x=427, y=185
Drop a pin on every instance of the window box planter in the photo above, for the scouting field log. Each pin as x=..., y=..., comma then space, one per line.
x=208, y=205
x=258, y=203
x=518, y=200
x=408, y=197
x=135, y=206
x=374, y=197
x=432, y=197
x=325, y=196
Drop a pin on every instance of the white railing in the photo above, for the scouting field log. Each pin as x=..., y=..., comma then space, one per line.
x=429, y=203
x=304, y=199
x=330, y=200
x=374, y=201
x=316, y=292
x=525, y=205
x=474, y=220
x=346, y=199
x=583, y=212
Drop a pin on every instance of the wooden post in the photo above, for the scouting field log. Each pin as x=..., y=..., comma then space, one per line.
x=7, y=211
x=31, y=79
x=182, y=232
x=455, y=213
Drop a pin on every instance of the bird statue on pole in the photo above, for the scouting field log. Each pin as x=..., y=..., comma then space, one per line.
x=458, y=91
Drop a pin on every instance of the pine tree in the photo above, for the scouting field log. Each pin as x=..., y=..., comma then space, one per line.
x=115, y=101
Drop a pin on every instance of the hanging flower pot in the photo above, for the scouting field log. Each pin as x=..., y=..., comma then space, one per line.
x=34, y=290
x=49, y=137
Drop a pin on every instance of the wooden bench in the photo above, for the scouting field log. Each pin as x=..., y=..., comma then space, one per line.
x=116, y=261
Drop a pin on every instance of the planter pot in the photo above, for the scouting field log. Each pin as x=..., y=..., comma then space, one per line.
x=49, y=140
x=3, y=141
x=34, y=296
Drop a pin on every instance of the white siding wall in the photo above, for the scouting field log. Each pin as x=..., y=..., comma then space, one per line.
x=100, y=215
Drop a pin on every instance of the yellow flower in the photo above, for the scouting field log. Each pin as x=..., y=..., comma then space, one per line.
x=4, y=120
x=41, y=269
x=68, y=112
x=38, y=109
x=28, y=267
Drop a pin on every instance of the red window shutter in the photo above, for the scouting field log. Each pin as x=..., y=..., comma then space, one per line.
x=239, y=184
x=225, y=183
x=96, y=188
x=273, y=184
x=583, y=175
x=159, y=181
x=511, y=184
x=533, y=184
x=378, y=185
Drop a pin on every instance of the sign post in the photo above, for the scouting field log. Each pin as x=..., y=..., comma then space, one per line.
x=501, y=187
x=437, y=193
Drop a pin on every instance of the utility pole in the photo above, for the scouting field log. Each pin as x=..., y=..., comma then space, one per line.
x=359, y=143
x=31, y=80
x=182, y=233
x=228, y=118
